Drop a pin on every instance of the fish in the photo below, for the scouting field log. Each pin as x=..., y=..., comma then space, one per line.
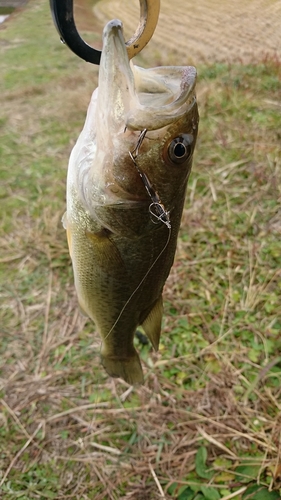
x=126, y=185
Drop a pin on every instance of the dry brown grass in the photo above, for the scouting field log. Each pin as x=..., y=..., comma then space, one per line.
x=206, y=30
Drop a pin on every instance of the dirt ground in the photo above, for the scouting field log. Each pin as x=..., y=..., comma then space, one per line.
x=202, y=31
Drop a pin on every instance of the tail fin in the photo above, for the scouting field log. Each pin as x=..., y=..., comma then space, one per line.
x=129, y=369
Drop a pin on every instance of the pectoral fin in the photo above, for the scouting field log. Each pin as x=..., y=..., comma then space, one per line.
x=152, y=323
x=106, y=254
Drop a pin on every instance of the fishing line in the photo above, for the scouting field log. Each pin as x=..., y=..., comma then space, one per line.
x=157, y=210
x=141, y=282
x=136, y=289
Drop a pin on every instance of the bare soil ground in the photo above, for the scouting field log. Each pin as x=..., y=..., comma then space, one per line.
x=207, y=30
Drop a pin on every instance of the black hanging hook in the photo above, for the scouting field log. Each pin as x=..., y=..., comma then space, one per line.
x=62, y=13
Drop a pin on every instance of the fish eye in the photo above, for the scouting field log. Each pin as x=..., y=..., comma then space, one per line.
x=180, y=148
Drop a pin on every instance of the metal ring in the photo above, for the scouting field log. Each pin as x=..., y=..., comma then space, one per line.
x=149, y=13
x=62, y=13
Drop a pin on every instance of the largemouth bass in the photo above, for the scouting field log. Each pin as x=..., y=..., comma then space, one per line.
x=126, y=184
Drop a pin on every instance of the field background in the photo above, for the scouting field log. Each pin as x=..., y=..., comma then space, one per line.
x=207, y=423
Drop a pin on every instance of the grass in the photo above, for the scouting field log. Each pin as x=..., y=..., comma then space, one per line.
x=206, y=425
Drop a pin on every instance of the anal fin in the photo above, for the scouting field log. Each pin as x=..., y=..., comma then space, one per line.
x=152, y=323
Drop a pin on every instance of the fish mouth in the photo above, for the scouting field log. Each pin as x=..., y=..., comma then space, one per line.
x=165, y=95
x=137, y=98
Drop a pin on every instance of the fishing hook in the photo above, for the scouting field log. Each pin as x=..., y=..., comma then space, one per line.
x=62, y=13
x=156, y=207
